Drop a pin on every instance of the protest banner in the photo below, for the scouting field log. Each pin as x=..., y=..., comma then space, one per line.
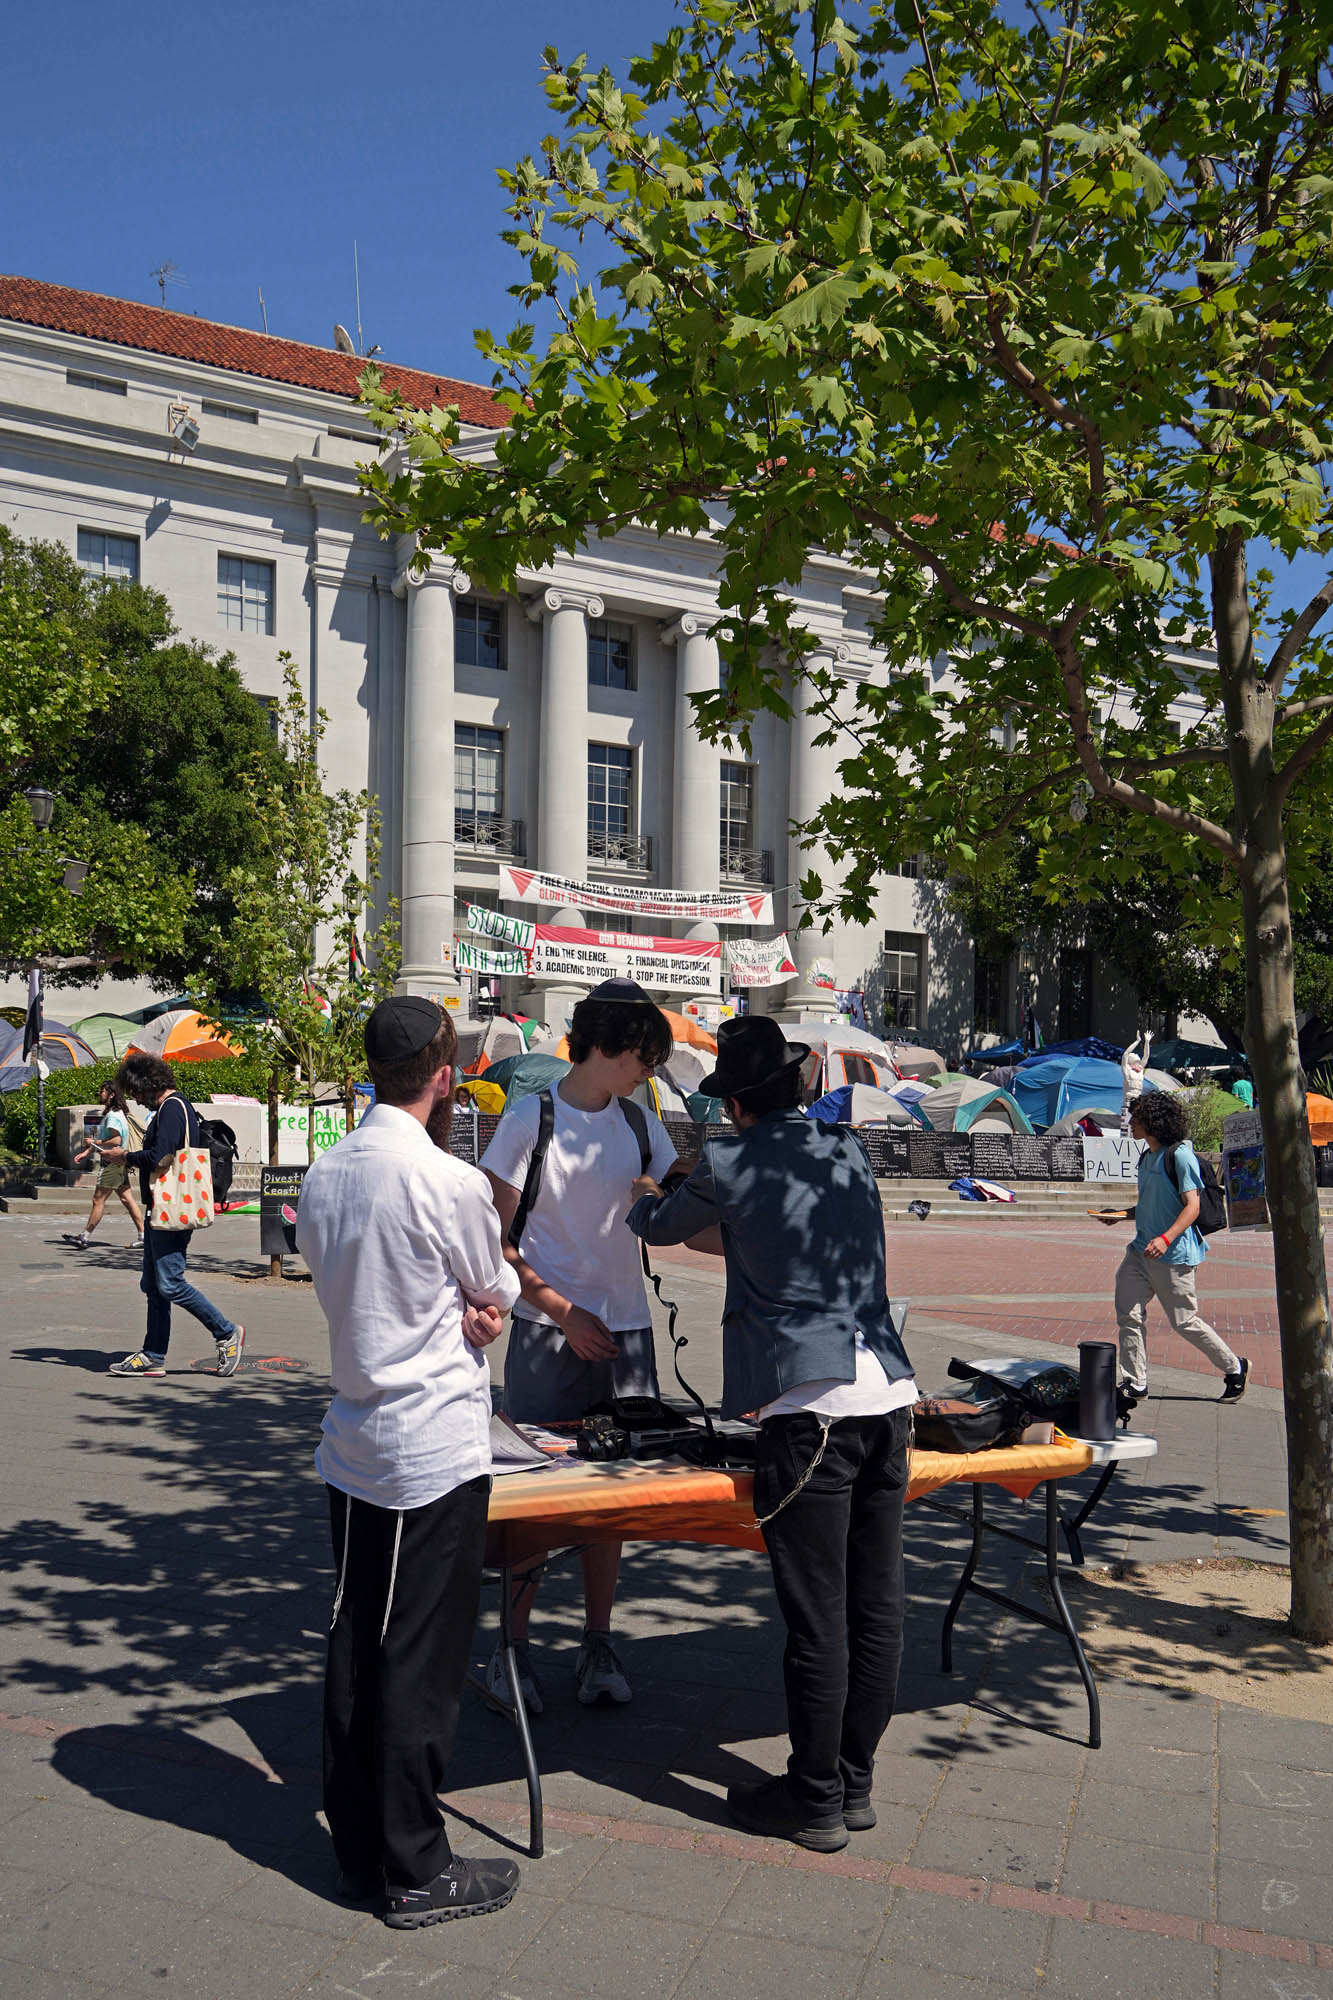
x=672, y=965
x=516, y=931
x=470, y=957
x=719, y=906
x=760, y=961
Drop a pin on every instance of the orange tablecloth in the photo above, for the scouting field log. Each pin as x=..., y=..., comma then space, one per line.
x=667, y=1501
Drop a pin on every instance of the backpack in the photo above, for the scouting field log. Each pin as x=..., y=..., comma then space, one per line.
x=1212, y=1214
x=634, y=1118
x=223, y=1151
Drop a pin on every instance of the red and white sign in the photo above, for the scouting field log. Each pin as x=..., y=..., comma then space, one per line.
x=670, y=965
x=760, y=961
x=718, y=906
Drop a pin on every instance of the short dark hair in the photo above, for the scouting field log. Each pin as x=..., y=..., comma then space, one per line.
x=144, y=1077
x=402, y=1082
x=778, y=1093
x=617, y=1026
x=1162, y=1116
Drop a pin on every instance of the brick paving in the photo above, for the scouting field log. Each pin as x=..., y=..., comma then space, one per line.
x=167, y=1583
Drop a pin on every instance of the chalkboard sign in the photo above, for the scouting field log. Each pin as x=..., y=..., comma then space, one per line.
x=470, y=1133
x=1067, y=1156
x=279, y=1199
x=939, y=1155
x=888, y=1151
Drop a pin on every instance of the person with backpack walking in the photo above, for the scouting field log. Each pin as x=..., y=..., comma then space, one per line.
x=110, y=1148
x=561, y=1167
x=1168, y=1247
x=175, y=1124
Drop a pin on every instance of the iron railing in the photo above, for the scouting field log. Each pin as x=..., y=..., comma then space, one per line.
x=622, y=850
x=747, y=864
x=489, y=833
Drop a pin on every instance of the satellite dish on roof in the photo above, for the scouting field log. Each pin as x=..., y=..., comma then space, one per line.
x=342, y=340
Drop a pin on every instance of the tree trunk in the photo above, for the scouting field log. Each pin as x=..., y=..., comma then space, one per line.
x=349, y=1107
x=274, y=1118
x=1279, y=1081
x=1298, y=1242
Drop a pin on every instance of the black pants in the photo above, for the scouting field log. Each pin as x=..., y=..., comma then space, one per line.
x=837, y=1555
x=391, y=1688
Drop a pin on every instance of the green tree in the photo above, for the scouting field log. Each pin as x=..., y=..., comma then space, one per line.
x=142, y=737
x=1028, y=316
x=299, y=906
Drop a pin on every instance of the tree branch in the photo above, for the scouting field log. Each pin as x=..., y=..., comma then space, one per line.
x=1296, y=635
x=1302, y=757
x=1291, y=709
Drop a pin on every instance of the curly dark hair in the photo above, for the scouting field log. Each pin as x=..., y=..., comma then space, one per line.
x=615, y=1027
x=144, y=1077
x=1162, y=1116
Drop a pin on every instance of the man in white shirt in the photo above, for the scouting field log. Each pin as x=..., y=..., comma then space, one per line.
x=404, y=1247
x=582, y=1331
x=810, y=1351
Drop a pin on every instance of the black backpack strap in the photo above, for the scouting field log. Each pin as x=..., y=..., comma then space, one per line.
x=638, y=1125
x=1169, y=1154
x=532, y=1184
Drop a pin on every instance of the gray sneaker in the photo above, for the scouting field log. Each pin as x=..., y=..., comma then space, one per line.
x=599, y=1674
x=229, y=1352
x=497, y=1680
x=137, y=1364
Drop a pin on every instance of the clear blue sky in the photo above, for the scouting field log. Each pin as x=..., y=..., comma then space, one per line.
x=252, y=145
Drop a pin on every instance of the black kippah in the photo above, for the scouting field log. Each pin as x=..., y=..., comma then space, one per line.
x=401, y=1027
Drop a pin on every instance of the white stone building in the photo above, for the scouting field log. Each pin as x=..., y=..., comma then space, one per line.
x=219, y=466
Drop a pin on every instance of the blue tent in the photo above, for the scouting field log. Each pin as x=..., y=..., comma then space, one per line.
x=1083, y=1045
x=1050, y=1086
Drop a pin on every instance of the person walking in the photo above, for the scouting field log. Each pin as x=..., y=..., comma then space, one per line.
x=109, y=1148
x=404, y=1248
x=1167, y=1250
x=809, y=1351
x=582, y=1332
x=174, y=1124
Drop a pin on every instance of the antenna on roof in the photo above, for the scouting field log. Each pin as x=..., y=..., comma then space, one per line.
x=356, y=273
x=263, y=308
x=167, y=274
x=342, y=340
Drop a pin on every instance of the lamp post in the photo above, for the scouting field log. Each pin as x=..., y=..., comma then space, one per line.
x=42, y=805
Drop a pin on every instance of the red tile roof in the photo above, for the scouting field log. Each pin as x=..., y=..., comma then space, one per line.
x=155, y=330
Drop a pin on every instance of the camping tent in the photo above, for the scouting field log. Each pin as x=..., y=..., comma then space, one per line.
x=1178, y=1055
x=966, y=1104
x=860, y=1104
x=911, y=1059
x=181, y=1035
x=840, y=1054
x=1048, y=1086
x=61, y=1049
x=108, y=1035
x=482, y=1043
x=525, y=1075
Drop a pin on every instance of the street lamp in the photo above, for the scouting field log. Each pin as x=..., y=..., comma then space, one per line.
x=42, y=806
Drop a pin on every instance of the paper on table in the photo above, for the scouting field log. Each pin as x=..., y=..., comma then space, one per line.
x=511, y=1451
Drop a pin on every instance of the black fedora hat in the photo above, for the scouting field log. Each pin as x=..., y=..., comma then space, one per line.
x=751, y=1051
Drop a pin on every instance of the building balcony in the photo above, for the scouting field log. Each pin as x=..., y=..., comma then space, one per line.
x=621, y=850
x=489, y=833
x=747, y=864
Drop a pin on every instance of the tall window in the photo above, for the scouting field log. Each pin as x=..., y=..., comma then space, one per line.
x=902, y=979
x=990, y=983
x=737, y=808
x=479, y=634
x=479, y=770
x=911, y=867
x=108, y=555
x=610, y=769
x=610, y=654
x=245, y=594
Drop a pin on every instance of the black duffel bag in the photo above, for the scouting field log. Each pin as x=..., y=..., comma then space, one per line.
x=982, y=1418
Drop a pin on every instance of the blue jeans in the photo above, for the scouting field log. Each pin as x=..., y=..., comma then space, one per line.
x=164, y=1285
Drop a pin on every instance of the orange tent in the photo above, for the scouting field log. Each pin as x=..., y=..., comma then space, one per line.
x=182, y=1035
x=1319, y=1110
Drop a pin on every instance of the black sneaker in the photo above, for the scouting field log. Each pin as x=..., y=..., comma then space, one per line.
x=858, y=1815
x=770, y=1808
x=464, y=1889
x=1234, y=1386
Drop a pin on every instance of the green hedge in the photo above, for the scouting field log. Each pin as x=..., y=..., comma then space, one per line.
x=241, y=1076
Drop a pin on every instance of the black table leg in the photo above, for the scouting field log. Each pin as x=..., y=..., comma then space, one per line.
x=969, y=1570
x=1071, y=1528
x=1067, y=1624
x=520, y=1715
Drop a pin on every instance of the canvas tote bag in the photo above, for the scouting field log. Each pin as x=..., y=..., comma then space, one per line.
x=182, y=1187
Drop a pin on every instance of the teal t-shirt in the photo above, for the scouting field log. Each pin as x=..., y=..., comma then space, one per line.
x=113, y=1127
x=1159, y=1203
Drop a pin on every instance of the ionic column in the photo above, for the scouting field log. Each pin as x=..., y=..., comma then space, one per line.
x=428, y=785
x=562, y=778
x=813, y=781
x=696, y=860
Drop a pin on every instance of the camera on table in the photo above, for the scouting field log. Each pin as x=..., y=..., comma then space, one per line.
x=601, y=1437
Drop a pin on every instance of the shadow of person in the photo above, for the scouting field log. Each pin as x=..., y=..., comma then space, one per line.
x=95, y=1360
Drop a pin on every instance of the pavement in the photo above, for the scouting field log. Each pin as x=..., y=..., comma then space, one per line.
x=167, y=1585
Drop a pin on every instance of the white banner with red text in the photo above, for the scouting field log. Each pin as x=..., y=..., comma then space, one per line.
x=671, y=965
x=718, y=906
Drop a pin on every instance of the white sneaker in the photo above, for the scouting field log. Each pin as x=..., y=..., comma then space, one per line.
x=497, y=1680
x=599, y=1674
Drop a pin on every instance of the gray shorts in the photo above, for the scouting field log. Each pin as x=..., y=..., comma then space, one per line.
x=547, y=1383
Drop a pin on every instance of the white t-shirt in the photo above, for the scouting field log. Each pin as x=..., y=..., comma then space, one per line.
x=395, y=1231
x=870, y=1395
x=575, y=1238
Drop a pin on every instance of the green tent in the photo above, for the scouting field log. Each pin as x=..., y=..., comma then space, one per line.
x=108, y=1035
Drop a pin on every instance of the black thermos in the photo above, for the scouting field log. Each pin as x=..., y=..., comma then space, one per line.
x=1096, y=1388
